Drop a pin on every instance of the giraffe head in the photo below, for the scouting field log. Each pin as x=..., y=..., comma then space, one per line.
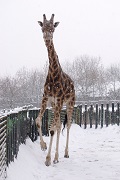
x=48, y=28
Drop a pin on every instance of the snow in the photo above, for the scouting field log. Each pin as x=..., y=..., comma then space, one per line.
x=6, y=112
x=94, y=155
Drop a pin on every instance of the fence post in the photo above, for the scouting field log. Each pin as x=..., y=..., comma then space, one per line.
x=85, y=119
x=77, y=115
x=113, y=115
x=91, y=115
x=15, y=135
x=43, y=122
x=102, y=114
x=118, y=114
x=31, y=122
x=107, y=115
x=10, y=138
x=8, y=142
x=36, y=129
x=99, y=115
x=23, y=126
x=80, y=115
x=96, y=117
x=17, y=138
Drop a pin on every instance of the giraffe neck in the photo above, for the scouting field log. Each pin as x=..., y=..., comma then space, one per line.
x=53, y=57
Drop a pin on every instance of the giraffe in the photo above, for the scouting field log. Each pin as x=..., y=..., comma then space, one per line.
x=58, y=89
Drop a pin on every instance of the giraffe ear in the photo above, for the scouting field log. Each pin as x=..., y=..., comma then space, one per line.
x=40, y=23
x=56, y=24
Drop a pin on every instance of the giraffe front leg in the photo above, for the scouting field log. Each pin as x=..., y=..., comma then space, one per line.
x=39, y=122
x=42, y=143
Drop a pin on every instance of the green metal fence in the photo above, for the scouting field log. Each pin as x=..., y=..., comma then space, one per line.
x=16, y=133
x=97, y=115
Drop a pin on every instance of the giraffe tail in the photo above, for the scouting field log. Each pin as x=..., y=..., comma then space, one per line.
x=64, y=122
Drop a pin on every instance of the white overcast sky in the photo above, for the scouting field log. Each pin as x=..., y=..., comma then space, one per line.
x=89, y=27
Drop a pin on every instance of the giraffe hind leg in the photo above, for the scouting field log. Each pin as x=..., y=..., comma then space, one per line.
x=69, y=118
x=57, y=143
x=56, y=126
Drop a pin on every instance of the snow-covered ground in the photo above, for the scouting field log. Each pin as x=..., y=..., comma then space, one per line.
x=94, y=155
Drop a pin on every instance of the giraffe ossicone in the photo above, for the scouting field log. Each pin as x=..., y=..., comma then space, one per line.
x=58, y=89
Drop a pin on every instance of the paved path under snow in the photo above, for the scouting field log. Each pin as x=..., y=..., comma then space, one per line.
x=94, y=155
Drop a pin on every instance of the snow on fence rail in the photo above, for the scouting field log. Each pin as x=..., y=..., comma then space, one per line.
x=17, y=126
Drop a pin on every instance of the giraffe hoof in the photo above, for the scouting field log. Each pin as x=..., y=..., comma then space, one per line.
x=47, y=163
x=44, y=149
x=66, y=156
x=55, y=161
x=43, y=146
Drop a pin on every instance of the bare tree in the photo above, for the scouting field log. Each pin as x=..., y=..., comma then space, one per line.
x=112, y=74
x=86, y=70
x=9, y=92
x=36, y=80
x=22, y=77
x=102, y=83
x=94, y=75
x=91, y=80
x=30, y=86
